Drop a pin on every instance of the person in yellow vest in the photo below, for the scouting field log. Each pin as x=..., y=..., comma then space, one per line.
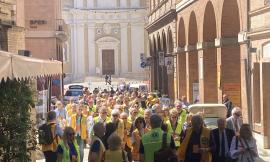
x=133, y=114
x=92, y=108
x=140, y=109
x=103, y=116
x=152, y=141
x=120, y=129
x=72, y=110
x=174, y=126
x=147, y=115
x=68, y=149
x=97, y=147
x=127, y=139
x=195, y=146
x=137, y=134
x=79, y=124
x=69, y=105
x=49, y=150
x=182, y=113
x=166, y=111
x=115, y=153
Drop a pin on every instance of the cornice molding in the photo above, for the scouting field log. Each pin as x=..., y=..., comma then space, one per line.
x=183, y=4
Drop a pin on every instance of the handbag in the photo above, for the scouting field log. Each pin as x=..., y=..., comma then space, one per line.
x=165, y=154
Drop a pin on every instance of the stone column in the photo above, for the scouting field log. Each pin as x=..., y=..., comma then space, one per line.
x=137, y=33
x=92, y=48
x=78, y=3
x=90, y=4
x=124, y=48
x=201, y=76
x=73, y=48
x=80, y=50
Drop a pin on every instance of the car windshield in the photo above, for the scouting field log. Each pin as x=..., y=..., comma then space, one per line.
x=74, y=93
x=211, y=123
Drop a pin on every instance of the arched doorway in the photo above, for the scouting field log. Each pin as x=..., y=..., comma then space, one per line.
x=230, y=52
x=154, y=63
x=181, y=60
x=159, y=69
x=193, y=73
x=209, y=56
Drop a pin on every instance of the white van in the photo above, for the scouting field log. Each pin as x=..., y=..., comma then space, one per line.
x=210, y=112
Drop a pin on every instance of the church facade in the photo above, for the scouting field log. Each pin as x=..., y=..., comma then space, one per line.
x=106, y=37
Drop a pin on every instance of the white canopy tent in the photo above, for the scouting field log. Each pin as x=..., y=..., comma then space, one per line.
x=20, y=67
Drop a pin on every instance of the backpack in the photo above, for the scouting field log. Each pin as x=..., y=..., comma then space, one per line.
x=45, y=136
x=165, y=154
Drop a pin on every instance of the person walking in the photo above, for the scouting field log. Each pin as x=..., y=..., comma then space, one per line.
x=115, y=153
x=244, y=147
x=140, y=130
x=68, y=149
x=174, y=126
x=195, y=146
x=97, y=147
x=49, y=149
x=79, y=124
x=228, y=103
x=152, y=141
x=61, y=114
x=120, y=128
x=235, y=122
x=110, y=129
x=221, y=139
x=127, y=138
x=182, y=113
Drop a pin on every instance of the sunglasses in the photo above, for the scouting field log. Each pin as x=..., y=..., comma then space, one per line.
x=115, y=115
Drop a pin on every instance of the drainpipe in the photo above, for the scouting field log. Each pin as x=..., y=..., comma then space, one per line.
x=249, y=71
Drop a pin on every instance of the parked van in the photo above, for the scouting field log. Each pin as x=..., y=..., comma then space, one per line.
x=139, y=86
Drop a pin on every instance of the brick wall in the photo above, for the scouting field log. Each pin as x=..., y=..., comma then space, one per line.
x=16, y=39
x=182, y=74
x=210, y=75
x=193, y=73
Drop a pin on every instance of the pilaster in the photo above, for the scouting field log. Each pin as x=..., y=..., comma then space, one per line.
x=92, y=48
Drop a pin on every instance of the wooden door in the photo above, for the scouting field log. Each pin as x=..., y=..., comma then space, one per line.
x=108, y=66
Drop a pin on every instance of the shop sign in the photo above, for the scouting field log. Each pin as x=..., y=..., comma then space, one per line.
x=161, y=58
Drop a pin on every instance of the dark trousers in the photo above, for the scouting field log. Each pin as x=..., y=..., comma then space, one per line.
x=50, y=156
x=128, y=150
x=222, y=159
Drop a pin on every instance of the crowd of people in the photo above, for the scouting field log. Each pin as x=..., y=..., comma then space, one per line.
x=122, y=126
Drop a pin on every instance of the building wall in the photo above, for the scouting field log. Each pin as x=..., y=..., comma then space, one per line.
x=16, y=39
x=162, y=33
x=12, y=31
x=259, y=34
x=108, y=25
x=43, y=22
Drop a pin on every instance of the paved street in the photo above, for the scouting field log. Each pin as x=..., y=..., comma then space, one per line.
x=86, y=151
